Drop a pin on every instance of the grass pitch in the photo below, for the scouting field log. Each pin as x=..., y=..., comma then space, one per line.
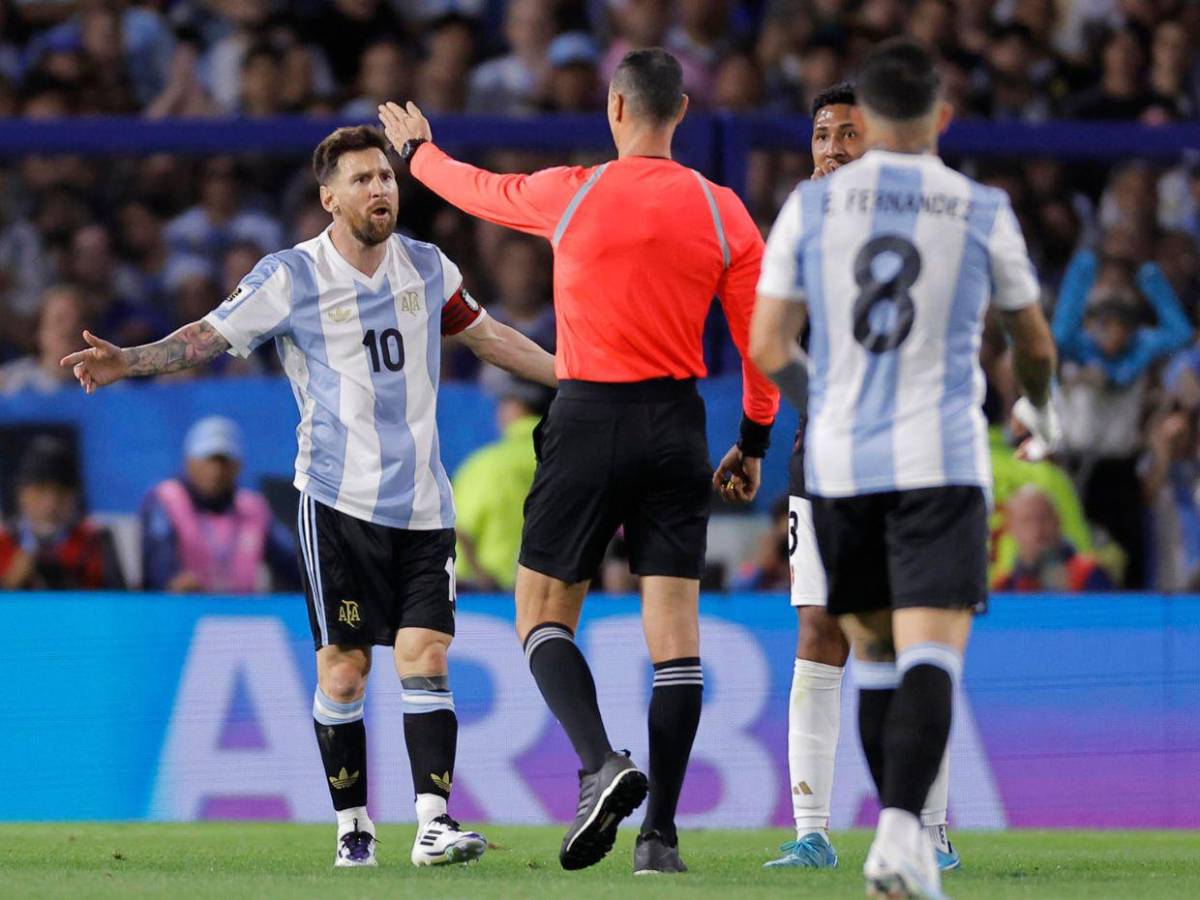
x=230, y=861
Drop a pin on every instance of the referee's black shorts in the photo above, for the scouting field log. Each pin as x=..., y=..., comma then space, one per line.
x=631, y=454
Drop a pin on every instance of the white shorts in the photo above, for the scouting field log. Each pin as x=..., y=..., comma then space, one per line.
x=804, y=559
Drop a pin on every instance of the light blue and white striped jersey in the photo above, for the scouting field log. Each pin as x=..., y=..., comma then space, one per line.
x=896, y=257
x=363, y=355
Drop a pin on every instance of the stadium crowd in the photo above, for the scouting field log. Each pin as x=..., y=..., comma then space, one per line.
x=138, y=246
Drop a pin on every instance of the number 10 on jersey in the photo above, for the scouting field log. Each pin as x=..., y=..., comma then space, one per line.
x=387, y=348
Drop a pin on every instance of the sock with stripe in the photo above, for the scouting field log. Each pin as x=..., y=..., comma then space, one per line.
x=918, y=724
x=566, y=683
x=431, y=734
x=674, y=716
x=876, y=687
x=342, y=739
x=814, y=719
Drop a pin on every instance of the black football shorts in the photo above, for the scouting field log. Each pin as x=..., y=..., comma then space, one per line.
x=904, y=549
x=610, y=455
x=364, y=581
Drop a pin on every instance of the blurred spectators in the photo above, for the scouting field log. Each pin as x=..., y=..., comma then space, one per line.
x=384, y=73
x=572, y=85
x=700, y=37
x=1170, y=473
x=1045, y=560
x=50, y=544
x=510, y=84
x=146, y=243
x=201, y=532
x=1009, y=476
x=1106, y=357
x=490, y=488
x=220, y=217
x=59, y=327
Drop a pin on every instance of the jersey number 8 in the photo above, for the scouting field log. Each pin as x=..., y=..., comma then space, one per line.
x=893, y=289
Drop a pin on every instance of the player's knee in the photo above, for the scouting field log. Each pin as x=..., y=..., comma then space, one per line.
x=821, y=639
x=343, y=683
x=422, y=654
x=433, y=659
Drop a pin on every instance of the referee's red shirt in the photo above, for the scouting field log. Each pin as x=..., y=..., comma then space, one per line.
x=641, y=246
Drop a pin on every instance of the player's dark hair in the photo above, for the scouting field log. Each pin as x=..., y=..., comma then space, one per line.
x=840, y=94
x=898, y=80
x=652, y=81
x=344, y=140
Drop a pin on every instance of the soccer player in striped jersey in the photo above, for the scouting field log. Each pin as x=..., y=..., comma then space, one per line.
x=894, y=258
x=358, y=315
x=814, y=707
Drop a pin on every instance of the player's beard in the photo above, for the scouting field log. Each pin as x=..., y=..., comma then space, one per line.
x=372, y=231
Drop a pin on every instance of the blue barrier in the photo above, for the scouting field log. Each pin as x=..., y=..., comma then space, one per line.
x=1074, y=712
x=717, y=144
x=131, y=435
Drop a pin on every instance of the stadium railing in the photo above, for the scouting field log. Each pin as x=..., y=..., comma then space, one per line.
x=717, y=144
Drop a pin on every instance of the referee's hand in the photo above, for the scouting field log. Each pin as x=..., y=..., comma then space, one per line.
x=738, y=477
x=404, y=123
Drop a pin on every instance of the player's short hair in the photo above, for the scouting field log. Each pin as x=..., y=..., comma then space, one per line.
x=898, y=80
x=344, y=140
x=840, y=94
x=652, y=81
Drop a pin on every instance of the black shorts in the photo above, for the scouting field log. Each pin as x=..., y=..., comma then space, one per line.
x=903, y=549
x=364, y=582
x=609, y=455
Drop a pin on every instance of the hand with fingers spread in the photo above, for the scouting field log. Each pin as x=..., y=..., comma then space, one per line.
x=738, y=476
x=102, y=363
x=405, y=123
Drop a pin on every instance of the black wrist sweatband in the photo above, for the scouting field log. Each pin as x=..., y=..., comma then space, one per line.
x=410, y=147
x=754, y=439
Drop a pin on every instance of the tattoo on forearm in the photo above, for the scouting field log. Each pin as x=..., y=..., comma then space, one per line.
x=192, y=345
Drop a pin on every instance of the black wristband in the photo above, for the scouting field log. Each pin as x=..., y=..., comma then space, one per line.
x=410, y=147
x=754, y=439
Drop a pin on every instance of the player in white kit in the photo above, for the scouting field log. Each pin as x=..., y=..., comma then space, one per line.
x=894, y=259
x=815, y=700
x=358, y=315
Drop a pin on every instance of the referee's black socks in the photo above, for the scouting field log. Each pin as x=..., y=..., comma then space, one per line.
x=918, y=724
x=674, y=716
x=342, y=738
x=566, y=683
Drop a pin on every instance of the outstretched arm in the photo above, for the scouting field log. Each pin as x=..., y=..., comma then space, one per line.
x=103, y=363
x=503, y=346
x=531, y=203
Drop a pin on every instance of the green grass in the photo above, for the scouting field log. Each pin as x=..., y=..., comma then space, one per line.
x=230, y=861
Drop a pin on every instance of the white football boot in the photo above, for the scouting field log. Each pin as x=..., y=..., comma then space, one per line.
x=442, y=841
x=356, y=847
x=901, y=863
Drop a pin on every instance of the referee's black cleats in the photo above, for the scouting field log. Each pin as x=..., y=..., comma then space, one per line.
x=605, y=798
x=653, y=855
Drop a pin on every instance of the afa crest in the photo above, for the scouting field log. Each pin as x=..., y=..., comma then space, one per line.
x=348, y=613
x=410, y=302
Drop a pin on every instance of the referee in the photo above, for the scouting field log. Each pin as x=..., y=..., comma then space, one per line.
x=642, y=244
